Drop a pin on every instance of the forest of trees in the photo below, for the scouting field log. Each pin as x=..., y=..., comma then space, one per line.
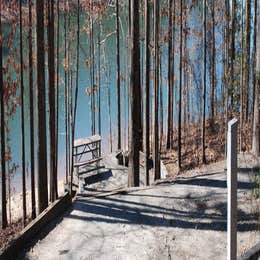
x=175, y=100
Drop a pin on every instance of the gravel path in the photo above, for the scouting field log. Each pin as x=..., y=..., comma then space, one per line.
x=182, y=219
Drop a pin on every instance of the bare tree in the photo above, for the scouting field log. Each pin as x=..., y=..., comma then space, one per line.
x=42, y=143
x=213, y=65
x=76, y=91
x=52, y=109
x=57, y=86
x=255, y=141
x=180, y=88
x=204, y=78
x=118, y=79
x=3, y=166
x=242, y=79
x=170, y=79
x=22, y=116
x=147, y=89
x=135, y=86
x=156, y=152
x=31, y=112
x=247, y=56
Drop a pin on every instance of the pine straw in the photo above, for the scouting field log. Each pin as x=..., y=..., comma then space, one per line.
x=8, y=234
x=192, y=146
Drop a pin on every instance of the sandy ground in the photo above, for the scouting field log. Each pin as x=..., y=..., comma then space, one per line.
x=181, y=219
x=17, y=203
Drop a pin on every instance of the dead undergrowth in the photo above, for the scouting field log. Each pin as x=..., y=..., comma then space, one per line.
x=8, y=234
x=192, y=146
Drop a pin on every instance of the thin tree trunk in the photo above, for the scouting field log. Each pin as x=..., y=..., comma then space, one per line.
x=57, y=92
x=147, y=90
x=76, y=95
x=3, y=164
x=135, y=86
x=99, y=75
x=255, y=140
x=31, y=113
x=92, y=51
x=118, y=79
x=204, y=78
x=227, y=71
x=170, y=80
x=52, y=109
x=213, y=66
x=242, y=80
x=22, y=118
x=156, y=152
x=42, y=143
x=161, y=101
x=180, y=90
x=247, y=57
x=232, y=51
x=254, y=58
x=66, y=92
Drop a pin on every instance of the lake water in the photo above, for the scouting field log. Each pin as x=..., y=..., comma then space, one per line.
x=108, y=66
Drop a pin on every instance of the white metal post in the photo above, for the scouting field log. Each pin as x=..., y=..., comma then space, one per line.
x=232, y=190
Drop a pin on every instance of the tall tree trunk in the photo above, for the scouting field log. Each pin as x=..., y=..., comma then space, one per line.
x=3, y=166
x=31, y=113
x=92, y=51
x=213, y=65
x=135, y=86
x=204, y=78
x=161, y=100
x=156, y=152
x=180, y=90
x=52, y=109
x=147, y=89
x=242, y=79
x=57, y=90
x=22, y=117
x=232, y=51
x=118, y=79
x=170, y=80
x=66, y=91
x=255, y=141
x=254, y=57
x=227, y=76
x=99, y=74
x=42, y=143
x=76, y=94
x=247, y=56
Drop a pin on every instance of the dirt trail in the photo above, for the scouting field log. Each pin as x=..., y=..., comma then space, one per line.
x=183, y=219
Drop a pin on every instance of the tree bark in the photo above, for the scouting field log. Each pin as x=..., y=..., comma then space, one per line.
x=213, y=65
x=247, y=57
x=232, y=51
x=255, y=141
x=42, y=143
x=135, y=86
x=52, y=109
x=22, y=117
x=76, y=94
x=57, y=88
x=242, y=80
x=3, y=164
x=147, y=89
x=204, y=78
x=118, y=79
x=31, y=113
x=170, y=80
x=180, y=90
x=156, y=152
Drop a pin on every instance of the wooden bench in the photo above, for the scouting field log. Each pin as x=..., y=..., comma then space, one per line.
x=87, y=154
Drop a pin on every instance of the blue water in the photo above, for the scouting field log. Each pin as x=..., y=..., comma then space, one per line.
x=108, y=67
